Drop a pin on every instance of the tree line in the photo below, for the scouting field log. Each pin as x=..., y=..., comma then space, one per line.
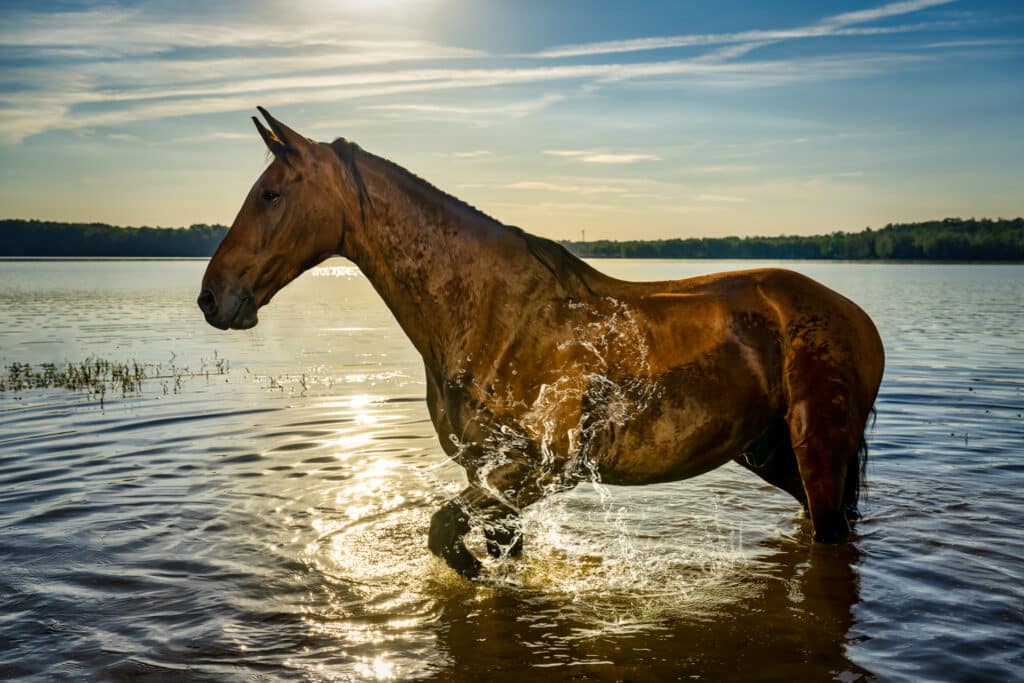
x=49, y=238
x=951, y=239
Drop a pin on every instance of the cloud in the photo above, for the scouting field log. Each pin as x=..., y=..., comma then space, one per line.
x=605, y=158
x=544, y=186
x=727, y=169
x=594, y=157
x=207, y=137
x=836, y=25
x=566, y=152
x=111, y=67
x=137, y=32
x=562, y=207
x=643, y=195
x=71, y=100
x=721, y=198
x=972, y=43
x=515, y=109
x=893, y=9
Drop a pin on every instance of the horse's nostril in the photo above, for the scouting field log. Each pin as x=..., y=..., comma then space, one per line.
x=207, y=302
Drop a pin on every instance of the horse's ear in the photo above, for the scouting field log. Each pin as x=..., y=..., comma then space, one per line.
x=275, y=146
x=292, y=141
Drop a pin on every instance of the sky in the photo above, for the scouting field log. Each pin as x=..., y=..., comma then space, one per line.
x=577, y=118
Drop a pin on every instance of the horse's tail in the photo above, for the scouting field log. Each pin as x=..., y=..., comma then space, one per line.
x=857, y=473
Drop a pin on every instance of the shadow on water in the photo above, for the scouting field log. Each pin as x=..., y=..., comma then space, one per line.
x=794, y=625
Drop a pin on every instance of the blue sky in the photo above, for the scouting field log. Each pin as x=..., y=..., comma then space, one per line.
x=624, y=120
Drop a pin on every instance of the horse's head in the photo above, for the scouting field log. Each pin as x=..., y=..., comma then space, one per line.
x=293, y=218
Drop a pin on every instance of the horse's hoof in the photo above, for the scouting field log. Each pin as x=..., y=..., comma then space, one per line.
x=447, y=527
x=831, y=528
x=463, y=562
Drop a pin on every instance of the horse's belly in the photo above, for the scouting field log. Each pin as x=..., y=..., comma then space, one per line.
x=678, y=441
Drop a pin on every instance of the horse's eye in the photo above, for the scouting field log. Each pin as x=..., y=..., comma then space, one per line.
x=270, y=196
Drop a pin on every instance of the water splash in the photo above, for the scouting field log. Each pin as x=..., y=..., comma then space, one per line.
x=609, y=378
x=592, y=546
x=604, y=384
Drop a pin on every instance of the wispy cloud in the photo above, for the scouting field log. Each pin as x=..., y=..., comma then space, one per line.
x=972, y=43
x=575, y=208
x=720, y=198
x=836, y=25
x=80, y=102
x=137, y=32
x=110, y=67
x=544, y=186
x=565, y=152
x=206, y=137
x=513, y=109
x=893, y=9
x=596, y=157
x=726, y=169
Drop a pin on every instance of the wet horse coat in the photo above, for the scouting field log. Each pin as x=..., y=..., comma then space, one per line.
x=542, y=371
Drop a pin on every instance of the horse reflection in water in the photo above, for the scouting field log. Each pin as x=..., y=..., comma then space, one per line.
x=795, y=622
x=541, y=371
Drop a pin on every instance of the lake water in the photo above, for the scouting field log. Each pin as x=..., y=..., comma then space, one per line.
x=270, y=523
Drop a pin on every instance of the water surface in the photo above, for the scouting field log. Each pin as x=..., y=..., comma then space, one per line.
x=270, y=523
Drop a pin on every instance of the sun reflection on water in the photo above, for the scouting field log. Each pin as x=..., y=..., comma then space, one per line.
x=592, y=561
x=378, y=669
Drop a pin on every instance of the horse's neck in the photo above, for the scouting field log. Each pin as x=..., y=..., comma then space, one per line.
x=445, y=270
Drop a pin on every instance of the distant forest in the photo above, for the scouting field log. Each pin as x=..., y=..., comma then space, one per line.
x=952, y=239
x=47, y=238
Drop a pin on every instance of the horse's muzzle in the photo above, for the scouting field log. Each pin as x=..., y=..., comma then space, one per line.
x=232, y=311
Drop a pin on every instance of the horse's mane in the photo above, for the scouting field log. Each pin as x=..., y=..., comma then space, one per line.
x=566, y=268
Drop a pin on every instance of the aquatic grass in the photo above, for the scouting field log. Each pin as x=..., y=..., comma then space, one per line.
x=96, y=377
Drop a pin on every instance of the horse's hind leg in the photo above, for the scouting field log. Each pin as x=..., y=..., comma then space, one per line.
x=825, y=443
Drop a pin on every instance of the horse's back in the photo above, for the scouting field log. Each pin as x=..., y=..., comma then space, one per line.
x=805, y=337
x=806, y=314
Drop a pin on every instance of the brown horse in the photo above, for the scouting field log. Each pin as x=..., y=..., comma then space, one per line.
x=541, y=371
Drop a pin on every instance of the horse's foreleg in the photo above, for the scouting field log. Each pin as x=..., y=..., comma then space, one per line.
x=495, y=503
x=453, y=521
x=447, y=527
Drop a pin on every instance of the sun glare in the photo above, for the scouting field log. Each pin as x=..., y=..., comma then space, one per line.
x=364, y=6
